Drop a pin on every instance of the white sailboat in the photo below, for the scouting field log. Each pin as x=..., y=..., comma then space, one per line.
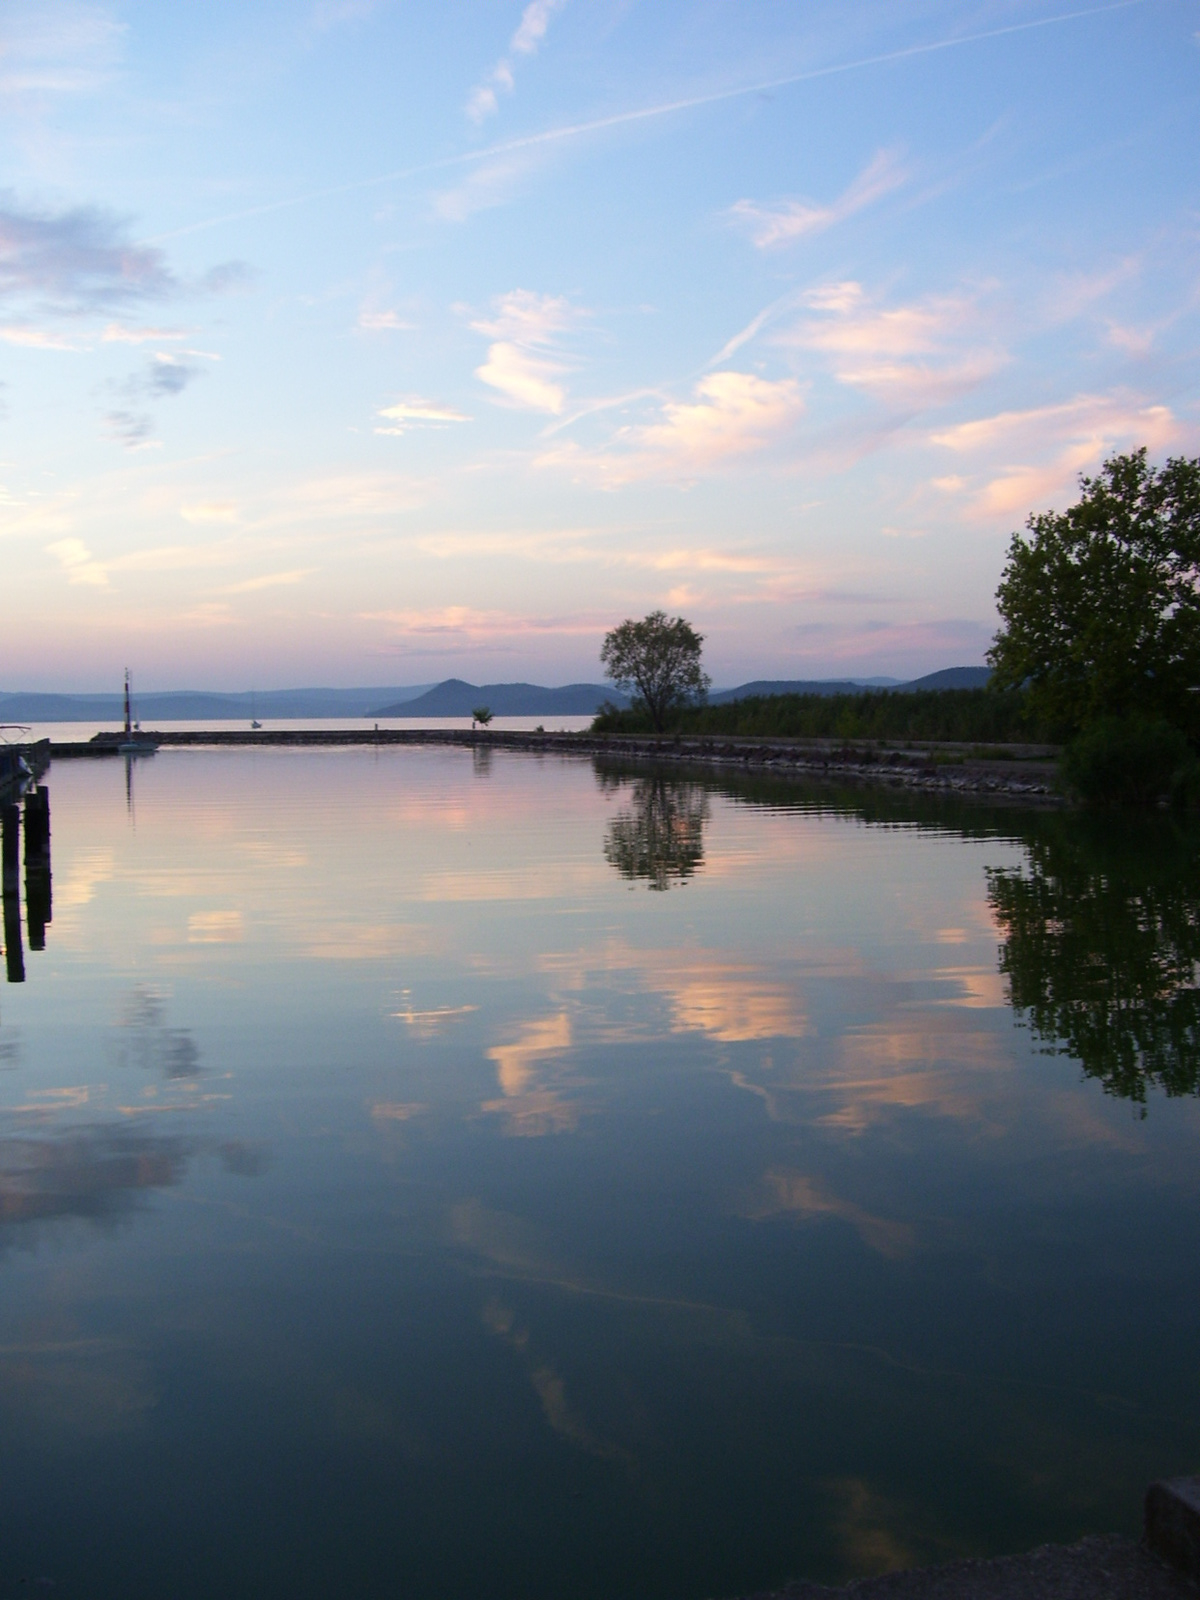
x=134, y=742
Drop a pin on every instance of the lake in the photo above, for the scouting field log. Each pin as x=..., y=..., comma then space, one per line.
x=431, y=1173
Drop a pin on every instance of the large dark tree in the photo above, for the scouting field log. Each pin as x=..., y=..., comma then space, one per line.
x=1101, y=615
x=657, y=661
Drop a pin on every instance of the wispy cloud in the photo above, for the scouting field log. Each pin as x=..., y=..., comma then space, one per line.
x=270, y=580
x=535, y=19
x=526, y=379
x=205, y=511
x=908, y=356
x=523, y=362
x=55, y=47
x=1024, y=459
x=176, y=557
x=78, y=563
x=329, y=14
x=490, y=184
x=133, y=429
x=890, y=646
x=163, y=378
x=346, y=495
x=414, y=412
x=781, y=222
x=470, y=622
x=22, y=333
x=169, y=375
x=227, y=277
x=730, y=414
x=666, y=108
x=76, y=261
x=1077, y=292
x=118, y=333
x=383, y=322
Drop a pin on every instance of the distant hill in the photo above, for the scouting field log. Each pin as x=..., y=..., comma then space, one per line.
x=455, y=698
x=197, y=705
x=762, y=686
x=953, y=678
x=948, y=678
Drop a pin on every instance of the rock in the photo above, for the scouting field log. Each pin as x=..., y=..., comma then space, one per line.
x=1172, y=1526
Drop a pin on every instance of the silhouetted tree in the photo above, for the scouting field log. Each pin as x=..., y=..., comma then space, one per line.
x=1101, y=615
x=657, y=661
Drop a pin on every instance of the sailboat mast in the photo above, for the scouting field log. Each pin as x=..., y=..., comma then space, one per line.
x=128, y=727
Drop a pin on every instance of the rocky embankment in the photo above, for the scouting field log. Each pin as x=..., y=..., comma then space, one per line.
x=1020, y=772
x=1016, y=772
x=1165, y=1565
x=1093, y=1569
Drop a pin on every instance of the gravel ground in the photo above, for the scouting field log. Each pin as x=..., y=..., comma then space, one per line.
x=1093, y=1569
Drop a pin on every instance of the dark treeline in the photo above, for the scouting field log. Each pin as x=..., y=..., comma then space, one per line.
x=969, y=716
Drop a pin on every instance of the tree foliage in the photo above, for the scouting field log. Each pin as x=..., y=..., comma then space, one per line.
x=481, y=715
x=657, y=661
x=1101, y=616
x=1127, y=761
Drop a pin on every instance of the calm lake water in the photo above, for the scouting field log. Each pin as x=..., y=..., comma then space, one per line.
x=431, y=1175
x=81, y=732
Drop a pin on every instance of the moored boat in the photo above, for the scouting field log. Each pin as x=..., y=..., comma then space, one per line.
x=134, y=742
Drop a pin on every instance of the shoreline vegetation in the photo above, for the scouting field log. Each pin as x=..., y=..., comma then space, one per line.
x=1098, y=646
x=959, y=716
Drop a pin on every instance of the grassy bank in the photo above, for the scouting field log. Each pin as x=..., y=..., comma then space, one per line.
x=969, y=716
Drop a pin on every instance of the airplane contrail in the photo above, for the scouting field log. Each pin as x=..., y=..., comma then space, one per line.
x=618, y=119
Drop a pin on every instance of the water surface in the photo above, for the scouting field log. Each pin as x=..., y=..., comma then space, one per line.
x=435, y=1175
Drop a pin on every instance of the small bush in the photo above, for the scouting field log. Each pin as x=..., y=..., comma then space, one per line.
x=1127, y=761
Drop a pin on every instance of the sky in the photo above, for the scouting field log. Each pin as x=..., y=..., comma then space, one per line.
x=382, y=341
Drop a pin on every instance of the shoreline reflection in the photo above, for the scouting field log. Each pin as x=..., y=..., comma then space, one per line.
x=1101, y=944
x=38, y=904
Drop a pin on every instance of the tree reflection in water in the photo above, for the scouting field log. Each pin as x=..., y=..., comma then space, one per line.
x=660, y=836
x=1101, y=942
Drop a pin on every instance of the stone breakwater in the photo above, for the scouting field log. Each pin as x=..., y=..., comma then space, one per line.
x=1023, y=773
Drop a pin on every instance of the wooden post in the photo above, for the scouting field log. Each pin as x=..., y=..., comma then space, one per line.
x=37, y=866
x=10, y=852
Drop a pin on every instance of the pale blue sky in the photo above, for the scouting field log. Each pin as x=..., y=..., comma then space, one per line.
x=375, y=341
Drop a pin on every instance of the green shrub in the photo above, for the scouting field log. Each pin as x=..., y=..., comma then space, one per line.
x=1127, y=761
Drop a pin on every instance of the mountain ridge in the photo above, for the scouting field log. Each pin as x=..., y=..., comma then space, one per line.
x=453, y=697
x=457, y=698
